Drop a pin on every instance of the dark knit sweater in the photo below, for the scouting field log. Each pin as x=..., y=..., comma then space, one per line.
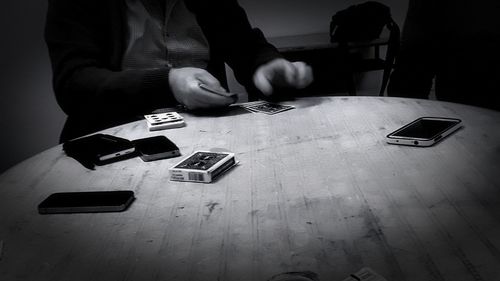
x=163, y=32
x=86, y=41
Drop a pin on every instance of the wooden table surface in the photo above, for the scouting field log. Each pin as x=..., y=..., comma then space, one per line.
x=317, y=189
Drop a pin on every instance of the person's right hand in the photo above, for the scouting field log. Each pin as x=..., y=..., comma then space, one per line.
x=184, y=83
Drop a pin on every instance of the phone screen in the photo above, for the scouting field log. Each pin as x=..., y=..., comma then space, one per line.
x=425, y=128
x=94, y=201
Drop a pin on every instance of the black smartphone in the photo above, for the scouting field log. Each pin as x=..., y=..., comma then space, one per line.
x=86, y=202
x=100, y=148
x=154, y=148
x=424, y=131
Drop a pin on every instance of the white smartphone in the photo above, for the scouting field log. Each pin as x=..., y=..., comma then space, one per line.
x=424, y=131
x=100, y=149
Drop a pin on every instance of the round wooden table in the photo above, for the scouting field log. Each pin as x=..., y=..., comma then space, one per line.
x=317, y=188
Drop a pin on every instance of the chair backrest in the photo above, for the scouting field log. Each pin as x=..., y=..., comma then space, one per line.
x=360, y=22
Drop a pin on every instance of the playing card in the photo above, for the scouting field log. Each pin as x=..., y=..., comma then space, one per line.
x=268, y=108
x=245, y=105
x=217, y=92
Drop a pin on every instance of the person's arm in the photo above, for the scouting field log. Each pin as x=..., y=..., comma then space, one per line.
x=84, y=81
x=226, y=26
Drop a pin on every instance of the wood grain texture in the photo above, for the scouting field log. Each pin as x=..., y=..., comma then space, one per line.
x=317, y=188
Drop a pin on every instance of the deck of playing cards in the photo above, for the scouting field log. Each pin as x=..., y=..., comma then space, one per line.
x=163, y=121
x=202, y=166
x=266, y=107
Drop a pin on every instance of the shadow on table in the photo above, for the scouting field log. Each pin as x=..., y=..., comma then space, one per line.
x=295, y=276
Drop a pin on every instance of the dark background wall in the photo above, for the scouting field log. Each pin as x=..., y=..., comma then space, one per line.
x=289, y=17
x=30, y=119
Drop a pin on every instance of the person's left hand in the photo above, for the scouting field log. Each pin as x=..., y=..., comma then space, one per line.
x=282, y=73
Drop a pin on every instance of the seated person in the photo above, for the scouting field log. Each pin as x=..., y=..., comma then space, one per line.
x=115, y=60
x=454, y=42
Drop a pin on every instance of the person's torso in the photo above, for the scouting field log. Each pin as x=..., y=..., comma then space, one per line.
x=163, y=33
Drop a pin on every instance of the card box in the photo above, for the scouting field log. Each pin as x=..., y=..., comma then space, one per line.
x=161, y=121
x=202, y=166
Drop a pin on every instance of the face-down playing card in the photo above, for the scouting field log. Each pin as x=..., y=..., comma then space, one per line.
x=268, y=108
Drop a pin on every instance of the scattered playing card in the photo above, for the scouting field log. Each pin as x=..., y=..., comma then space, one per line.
x=267, y=107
